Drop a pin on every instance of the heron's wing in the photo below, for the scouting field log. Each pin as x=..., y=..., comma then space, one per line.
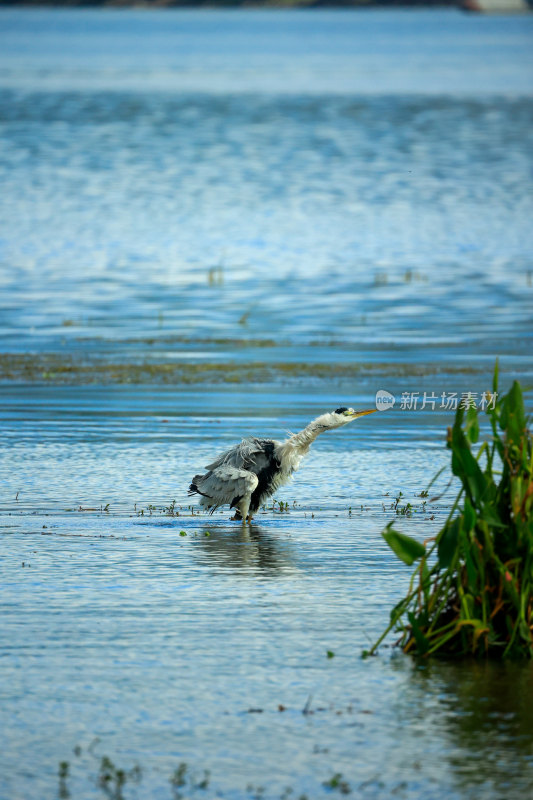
x=243, y=455
x=225, y=484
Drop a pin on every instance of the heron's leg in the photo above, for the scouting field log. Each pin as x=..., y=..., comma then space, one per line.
x=244, y=507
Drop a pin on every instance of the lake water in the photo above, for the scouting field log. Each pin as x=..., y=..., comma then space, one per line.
x=221, y=223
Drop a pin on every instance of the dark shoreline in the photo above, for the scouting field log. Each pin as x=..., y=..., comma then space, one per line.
x=229, y=4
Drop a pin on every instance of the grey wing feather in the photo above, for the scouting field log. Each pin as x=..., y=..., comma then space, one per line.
x=240, y=455
x=224, y=484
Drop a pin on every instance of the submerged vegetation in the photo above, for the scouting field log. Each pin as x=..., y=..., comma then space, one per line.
x=72, y=369
x=471, y=592
x=186, y=781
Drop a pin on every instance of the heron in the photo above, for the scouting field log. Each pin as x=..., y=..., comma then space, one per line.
x=247, y=474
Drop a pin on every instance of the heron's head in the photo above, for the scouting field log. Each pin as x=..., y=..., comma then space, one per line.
x=341, y=416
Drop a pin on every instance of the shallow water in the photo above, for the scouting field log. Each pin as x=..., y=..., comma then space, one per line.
x=216, y=224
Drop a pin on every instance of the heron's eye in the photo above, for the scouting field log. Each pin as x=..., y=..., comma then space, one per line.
x=341, y=410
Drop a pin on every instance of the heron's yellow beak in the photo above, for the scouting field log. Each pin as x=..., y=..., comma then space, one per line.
x=356, y=414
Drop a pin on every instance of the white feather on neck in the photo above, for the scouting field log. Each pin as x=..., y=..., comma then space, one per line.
x=291, y=451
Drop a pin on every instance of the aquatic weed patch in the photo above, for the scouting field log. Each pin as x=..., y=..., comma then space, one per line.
x=73, y=369
x=190, y=780
x=471, y=591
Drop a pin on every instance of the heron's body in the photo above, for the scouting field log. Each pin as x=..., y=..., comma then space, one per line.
x=246, y=475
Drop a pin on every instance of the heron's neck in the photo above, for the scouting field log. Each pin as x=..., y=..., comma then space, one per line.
x=299, y=443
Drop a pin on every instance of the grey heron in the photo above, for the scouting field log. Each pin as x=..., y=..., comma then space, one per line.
x=246, y=475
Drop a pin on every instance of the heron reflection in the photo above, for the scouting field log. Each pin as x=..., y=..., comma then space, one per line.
x=249, y=549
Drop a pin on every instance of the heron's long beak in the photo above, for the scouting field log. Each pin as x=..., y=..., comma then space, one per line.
x=356, y=414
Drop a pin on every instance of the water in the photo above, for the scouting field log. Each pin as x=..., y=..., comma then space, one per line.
x=221, y=223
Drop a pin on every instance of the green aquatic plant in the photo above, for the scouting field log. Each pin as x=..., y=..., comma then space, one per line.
x=471, y=592
x=63, y=773
x=112, y=779
x=181, y=780
x=178, y=780
x=338, y=783
x=171, y=509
